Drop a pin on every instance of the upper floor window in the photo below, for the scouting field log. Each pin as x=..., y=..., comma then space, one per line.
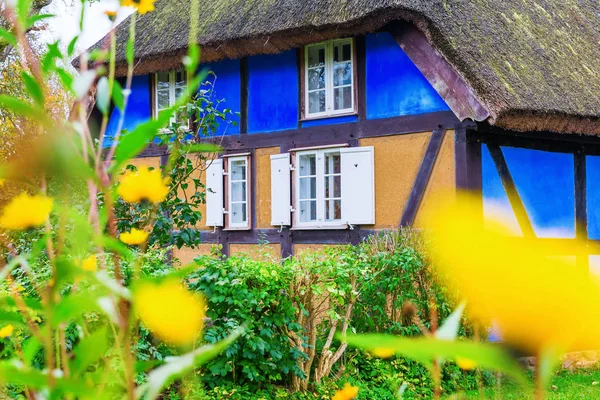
x=237, y=174
x=329, y=78
x=168, y=87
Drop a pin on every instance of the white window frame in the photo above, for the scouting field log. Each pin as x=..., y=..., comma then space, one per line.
x=230, y=202
x=329, y=88
x=320, y=222
x=172, y=92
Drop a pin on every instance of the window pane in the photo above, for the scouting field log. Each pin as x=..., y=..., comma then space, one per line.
x=316, y=78
x=316, y=102
x=332, y=163
x=308, y=164
x=162, y=80
x=342, y=52
x=333, y=186
x=163, y=99
x=308, y=211
x=342, y=74
x=308, y=188
x=342, y=98
x=316, y=56
x=238, y=170
x=179, y=91
x=238, y=213
x=333, y=210
x=180, y=79
x=238, y=191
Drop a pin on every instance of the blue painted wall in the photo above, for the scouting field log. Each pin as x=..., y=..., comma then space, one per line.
x=227, y=83
x=273, y=92
x=138, y=109
x=394, y=84
x=546, y=184
x=593, y=196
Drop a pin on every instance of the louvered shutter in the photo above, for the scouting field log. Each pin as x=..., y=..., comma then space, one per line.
x=214, y=193
x=280, y=190
x=358, y=185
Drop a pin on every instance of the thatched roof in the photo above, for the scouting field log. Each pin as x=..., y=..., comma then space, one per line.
x=534, y=64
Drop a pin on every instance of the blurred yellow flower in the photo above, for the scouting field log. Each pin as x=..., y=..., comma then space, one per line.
x=89, y=264
x=111, y=14
x=143, y=185
x=465, y=363
x=383, y=352
x=6, y=331
x=535, y=300
x=347, y=393
x=134, y=237
x=25, y=211
x=142, y=6
x=171, y=312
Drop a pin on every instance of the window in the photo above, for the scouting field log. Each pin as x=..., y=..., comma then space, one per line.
x=168, y=87
x=329, y=79
x=238, y=193
x=319, y=197
x=227, y=192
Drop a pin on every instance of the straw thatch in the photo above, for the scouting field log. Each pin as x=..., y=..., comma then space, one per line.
x=533, y=63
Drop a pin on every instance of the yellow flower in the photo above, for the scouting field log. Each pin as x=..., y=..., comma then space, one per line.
x=142, y=6
x=170, y=311
x=465, y=363
x=134, y=237
x=6, y=331
x=143, y=185
x=536, y=301
x=347, y=393
x=383, y=352
x=25, y=211
x=89, y=264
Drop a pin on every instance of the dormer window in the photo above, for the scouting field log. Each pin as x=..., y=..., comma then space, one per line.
x=329, y=87
x=167, y=88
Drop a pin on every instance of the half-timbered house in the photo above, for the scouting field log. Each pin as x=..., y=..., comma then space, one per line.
x=354, y=113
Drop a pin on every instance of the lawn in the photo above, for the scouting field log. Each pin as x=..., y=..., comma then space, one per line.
x=582, y=384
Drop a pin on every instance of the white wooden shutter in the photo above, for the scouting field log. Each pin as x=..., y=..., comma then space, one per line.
x=358, y=185
x=214, y=193
x=280, y=190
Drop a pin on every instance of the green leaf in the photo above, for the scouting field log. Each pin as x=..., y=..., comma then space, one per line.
x=23, y=7
x=425, y=349
x=8, y=37
x=103, y=95
x=35, y=18
x=33, y=88
x=117, y=95
x=71, y=47
x=90, y=350
x=450, y=327
x=30, y=349
x=177, y=366
x=18, y=375
x=74, y=305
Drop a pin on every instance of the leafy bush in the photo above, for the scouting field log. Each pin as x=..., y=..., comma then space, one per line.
x=239, y=291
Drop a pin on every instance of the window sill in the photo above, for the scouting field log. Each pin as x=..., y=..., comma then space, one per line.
x=320, y=228
x=245, y=228
x=328, y=116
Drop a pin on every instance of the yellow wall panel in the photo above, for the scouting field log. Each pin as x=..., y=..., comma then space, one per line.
x=397, y=161
x=442, y=180
x=263, y=186
x=186, y=255
x=256, y=251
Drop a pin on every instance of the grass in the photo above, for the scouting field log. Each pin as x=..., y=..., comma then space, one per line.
x=565, y=385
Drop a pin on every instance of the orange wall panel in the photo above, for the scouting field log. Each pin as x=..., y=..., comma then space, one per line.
x=397, y=161
x=186, y=255
x=256, y=251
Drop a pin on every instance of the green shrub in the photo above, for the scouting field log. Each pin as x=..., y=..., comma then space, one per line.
x=240, y=290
